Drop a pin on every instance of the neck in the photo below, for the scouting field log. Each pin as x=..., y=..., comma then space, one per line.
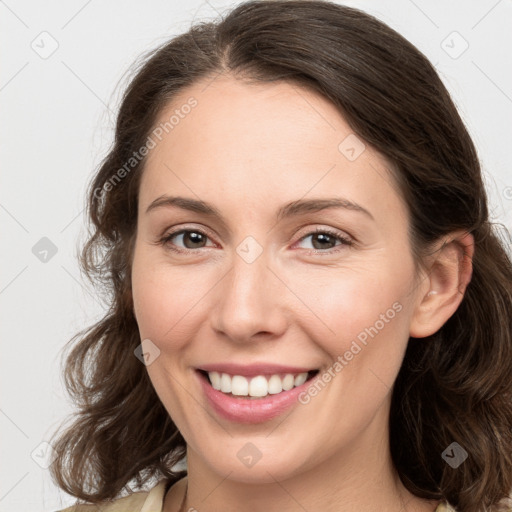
x=284, y=496
x=361, y=476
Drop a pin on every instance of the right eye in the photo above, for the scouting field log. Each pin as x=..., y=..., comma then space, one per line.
x=190, y=238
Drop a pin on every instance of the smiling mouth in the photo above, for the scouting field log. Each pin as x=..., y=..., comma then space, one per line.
x=258, y=386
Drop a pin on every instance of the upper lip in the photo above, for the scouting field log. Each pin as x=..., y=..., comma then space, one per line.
x=251, y=370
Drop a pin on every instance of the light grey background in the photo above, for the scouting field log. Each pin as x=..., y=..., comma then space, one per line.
x=58, y=112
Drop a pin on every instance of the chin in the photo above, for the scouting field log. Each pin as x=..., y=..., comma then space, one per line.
x=245, y=463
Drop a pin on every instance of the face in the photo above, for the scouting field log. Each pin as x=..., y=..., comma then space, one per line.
x=263, y=282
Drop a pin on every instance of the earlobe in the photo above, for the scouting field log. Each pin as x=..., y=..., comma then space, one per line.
x=449, y=273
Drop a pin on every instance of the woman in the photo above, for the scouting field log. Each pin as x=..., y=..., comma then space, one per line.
x=310, y=306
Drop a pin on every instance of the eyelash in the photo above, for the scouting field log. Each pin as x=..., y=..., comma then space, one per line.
x=345, y=241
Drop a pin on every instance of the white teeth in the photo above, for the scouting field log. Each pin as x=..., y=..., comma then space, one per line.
x=300, y=379
x=215, y=380
x=225, y=383
x=239, y=385
x=288, y=382
x=275, y=385
x=256, y=386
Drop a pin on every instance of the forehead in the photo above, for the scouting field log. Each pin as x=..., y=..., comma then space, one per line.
x=264, y=116
x=267, y=140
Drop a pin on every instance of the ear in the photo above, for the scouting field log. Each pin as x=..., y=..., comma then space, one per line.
x=449, y=272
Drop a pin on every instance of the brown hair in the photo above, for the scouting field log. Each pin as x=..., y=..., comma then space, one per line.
x=454, y=386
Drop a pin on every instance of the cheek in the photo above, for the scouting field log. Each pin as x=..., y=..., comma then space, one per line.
x=347, y=304
x=163, y=301
x=161, y=297
x=367, y=314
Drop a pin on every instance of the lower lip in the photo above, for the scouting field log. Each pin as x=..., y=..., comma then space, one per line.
x=245, y=410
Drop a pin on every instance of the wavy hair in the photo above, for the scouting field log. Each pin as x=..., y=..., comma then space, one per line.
x=454, y=386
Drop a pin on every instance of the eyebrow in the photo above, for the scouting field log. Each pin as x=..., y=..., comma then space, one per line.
x=294, y=208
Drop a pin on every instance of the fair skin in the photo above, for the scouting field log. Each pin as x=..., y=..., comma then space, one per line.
x=248, y=150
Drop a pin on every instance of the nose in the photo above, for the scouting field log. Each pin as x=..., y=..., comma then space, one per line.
x=250, y=302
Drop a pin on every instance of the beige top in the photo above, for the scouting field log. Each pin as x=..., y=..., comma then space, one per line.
x=143, y=501
x=153, y=500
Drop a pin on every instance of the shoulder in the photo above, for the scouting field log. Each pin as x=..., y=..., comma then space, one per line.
x=143, y=501
x=444, y=507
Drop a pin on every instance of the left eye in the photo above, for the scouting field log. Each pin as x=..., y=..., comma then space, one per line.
x=321, y=238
